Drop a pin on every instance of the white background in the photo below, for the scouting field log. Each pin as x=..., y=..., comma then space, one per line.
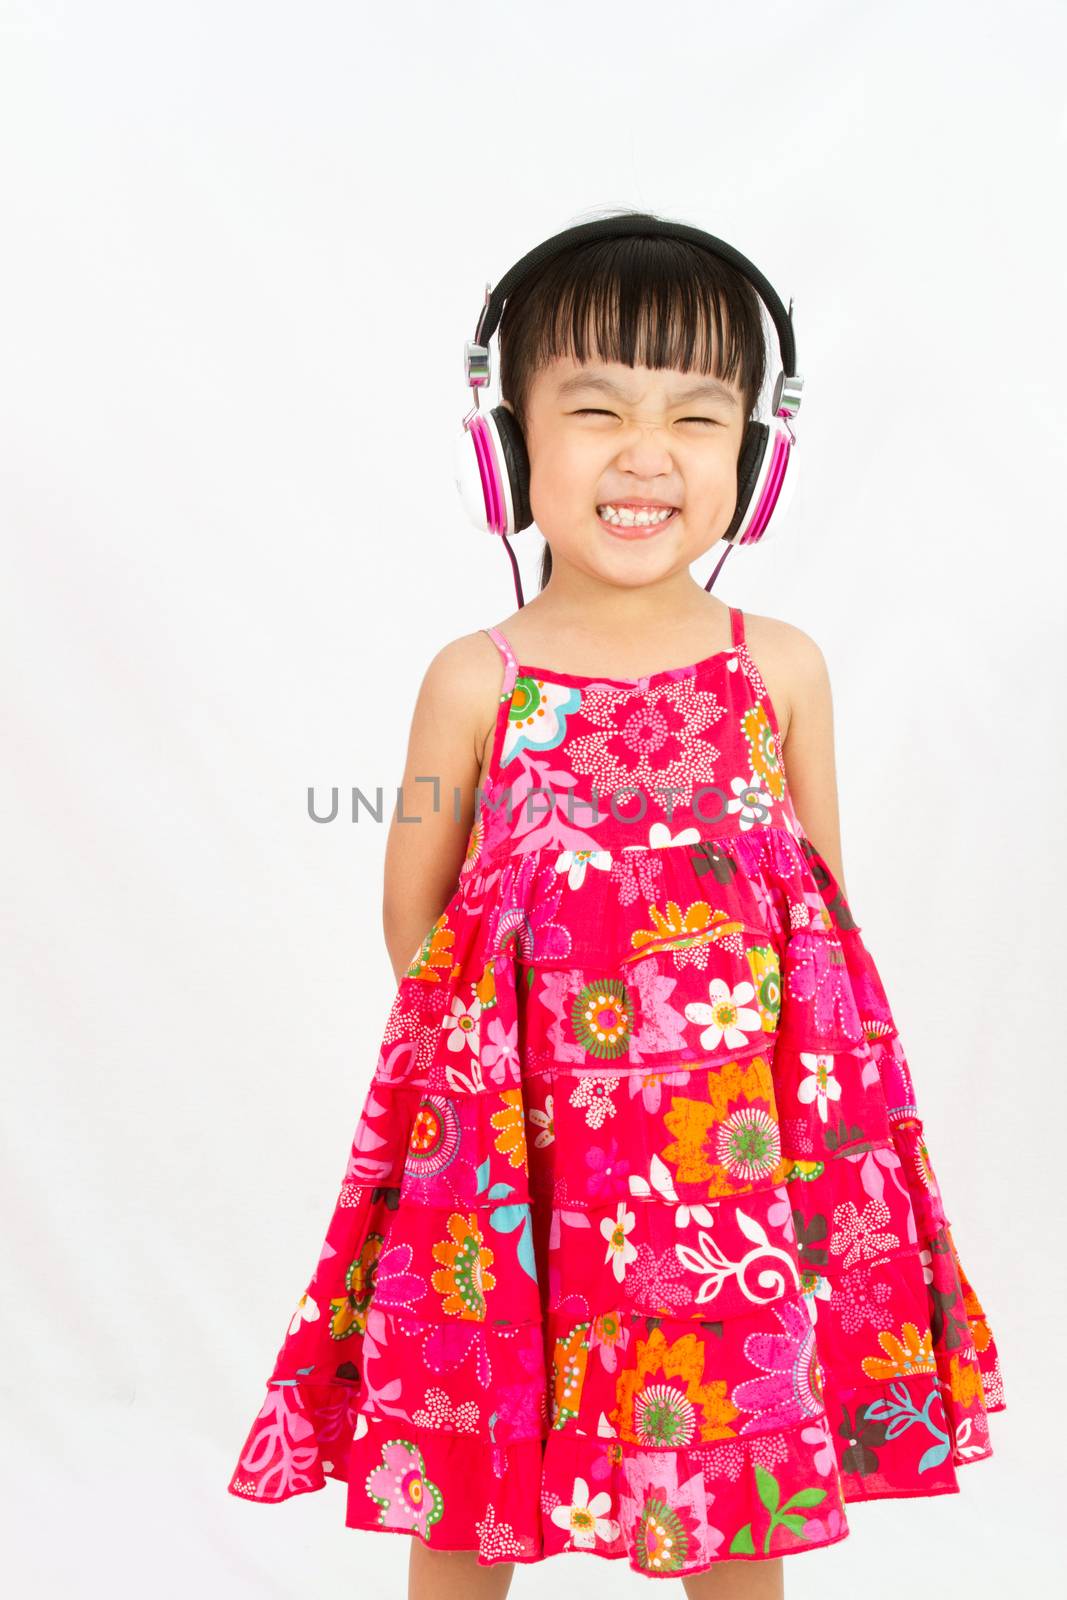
x=242, y=247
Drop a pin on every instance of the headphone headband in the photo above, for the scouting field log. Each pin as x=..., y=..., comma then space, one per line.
x=641, y=225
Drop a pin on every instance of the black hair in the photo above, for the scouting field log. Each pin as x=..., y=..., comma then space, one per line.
x=648, y=301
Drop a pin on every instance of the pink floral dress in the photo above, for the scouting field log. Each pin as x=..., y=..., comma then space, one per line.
x=639, y=1252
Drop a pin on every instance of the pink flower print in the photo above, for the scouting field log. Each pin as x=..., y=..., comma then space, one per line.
x=878, y=1167
x=586, y=1518
x=608, y=1335
x=620, y=1250
x=855, y=1236
x=650, y=1086
x=610, y=1457
x=793, y=1386
x=562, y=1215
x=818, y=972
x=605, y=1169
x=831, y=1526
x=396, y=1063
x=595, y=1093
x=659, y=1027
x=752, y=800
x=728, y=1018
x=394, y=1286
x=439, y=1412
x=500, y=1050
x=658, y=1281
x=521, y=920
x=544, y=1121
x=780, y=1211
x=636, y=874
x=824, y=1458
x=574, y=863
x=820, y=1086
x=401, y=1488
x=464, y=1024
x=648, y=744
x=858, y=1302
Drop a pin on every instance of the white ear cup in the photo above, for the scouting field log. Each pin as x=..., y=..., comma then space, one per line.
x=484, y=486
x=773, y=489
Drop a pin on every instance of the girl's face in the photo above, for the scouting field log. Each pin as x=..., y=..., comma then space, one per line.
x=603, y=434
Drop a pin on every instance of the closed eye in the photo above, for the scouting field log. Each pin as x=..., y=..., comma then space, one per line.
x=593, y=411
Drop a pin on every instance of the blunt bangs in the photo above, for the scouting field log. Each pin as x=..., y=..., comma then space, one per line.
x=652, y=302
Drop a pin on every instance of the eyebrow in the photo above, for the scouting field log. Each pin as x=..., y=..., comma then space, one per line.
x=707, y=389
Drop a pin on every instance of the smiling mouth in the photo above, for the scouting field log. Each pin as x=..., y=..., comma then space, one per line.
x=627, y=522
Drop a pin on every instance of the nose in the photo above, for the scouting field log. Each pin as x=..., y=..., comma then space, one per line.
x=646, y=451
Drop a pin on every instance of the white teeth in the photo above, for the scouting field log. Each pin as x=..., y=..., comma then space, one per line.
x=626, y=517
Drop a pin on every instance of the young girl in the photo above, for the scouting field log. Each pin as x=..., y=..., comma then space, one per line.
x=639, y=1252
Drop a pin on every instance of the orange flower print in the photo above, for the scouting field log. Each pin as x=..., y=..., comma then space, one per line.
x=349, y=1313
x=766, y=766
x=569, y=1361
x=485, y=988
x=512, y=1140
x=732, y=1139
x=434, y=952
x=965, y=1382
x=677, y=930
x=662, y=1400
x=464, y=1278
x=907, y=1356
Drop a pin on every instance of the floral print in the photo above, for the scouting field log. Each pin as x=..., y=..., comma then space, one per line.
x=639, y=1251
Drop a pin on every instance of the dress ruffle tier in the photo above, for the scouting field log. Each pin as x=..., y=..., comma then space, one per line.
x=639, y=1251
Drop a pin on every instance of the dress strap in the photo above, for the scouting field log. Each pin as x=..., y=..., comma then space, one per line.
x=737, y=626
x=511, y=666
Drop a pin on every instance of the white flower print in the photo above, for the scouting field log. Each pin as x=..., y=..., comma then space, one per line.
x=306, y=1311
x=595, y=1092
x=729, y=1019
x=660, y=837
x=620, y=1250
x=574, y=863
x=544, y=1121
x=821, y=1086
x=464, y=1023
x=751, y=800
x=855, y=1233
x=584, y=1518
x=662, y=1182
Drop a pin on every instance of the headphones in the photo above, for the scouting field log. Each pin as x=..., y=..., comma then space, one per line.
x=492, y=468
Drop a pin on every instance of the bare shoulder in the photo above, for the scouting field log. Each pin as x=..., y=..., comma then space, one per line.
x=461, y=687
x=791, y=664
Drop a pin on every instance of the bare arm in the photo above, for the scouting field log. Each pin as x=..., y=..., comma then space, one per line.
x=799, y=684
x=423, y=857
